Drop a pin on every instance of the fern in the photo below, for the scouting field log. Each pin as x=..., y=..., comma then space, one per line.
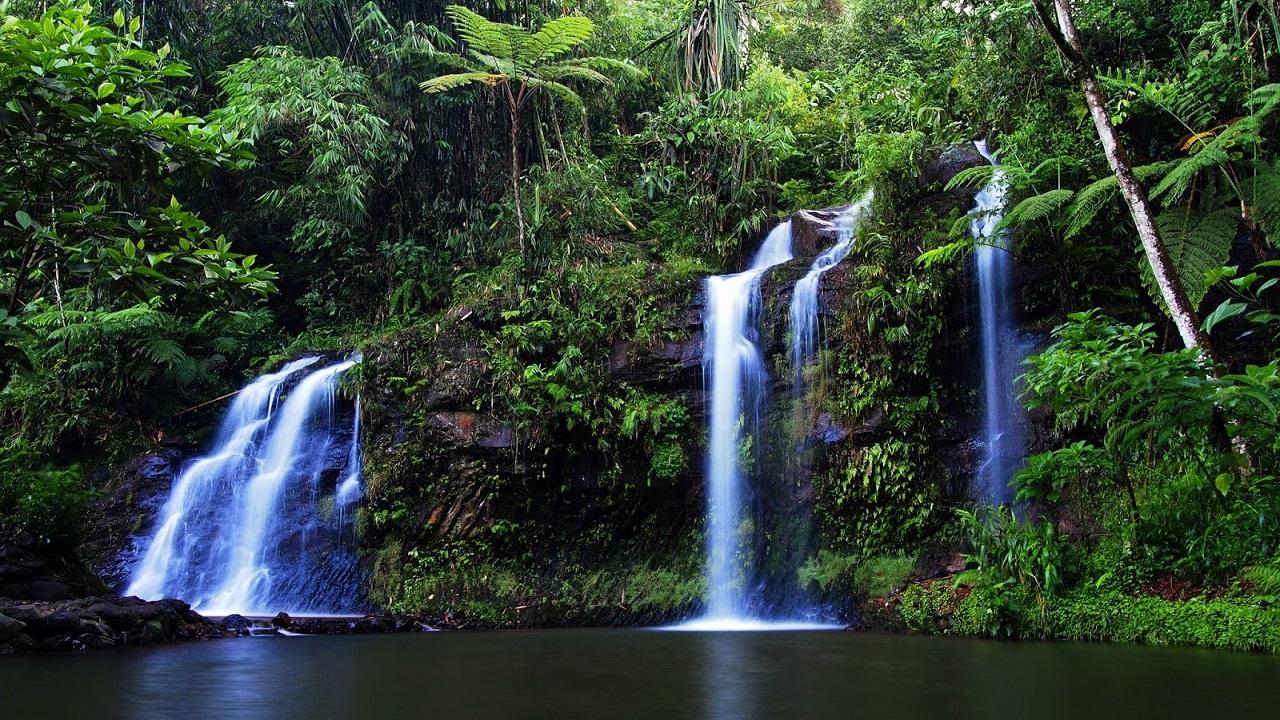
x=1036, y=207
x=1198, y=242
x=945, y=254
x=1261, y=194
x=1266, y=578
x=1101, y=193
x=974, y=177
x=554, y=39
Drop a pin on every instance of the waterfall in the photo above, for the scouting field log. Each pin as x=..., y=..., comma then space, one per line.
x=257, y=525
x=738, y=375
x=804, y=300
x=1003, y=441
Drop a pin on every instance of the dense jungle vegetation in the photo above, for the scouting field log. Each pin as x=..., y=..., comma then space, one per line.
x=497, y=197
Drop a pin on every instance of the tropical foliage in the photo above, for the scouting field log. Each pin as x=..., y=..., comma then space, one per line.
x=510, y=207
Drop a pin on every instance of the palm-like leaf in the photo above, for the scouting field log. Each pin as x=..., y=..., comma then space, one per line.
x=444, y=83
x=481, y=33
x=564, y=92
x=553, y=40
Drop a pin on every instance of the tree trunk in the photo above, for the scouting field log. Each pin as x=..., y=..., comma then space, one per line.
x=515, y=178
x=1067, y=39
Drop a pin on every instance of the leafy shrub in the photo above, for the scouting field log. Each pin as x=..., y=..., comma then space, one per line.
x=45, y=502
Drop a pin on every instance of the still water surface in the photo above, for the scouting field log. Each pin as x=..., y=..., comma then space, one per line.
x=569, y=674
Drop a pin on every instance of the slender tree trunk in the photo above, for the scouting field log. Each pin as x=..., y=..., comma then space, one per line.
x=1067, y=39
x=515, y=177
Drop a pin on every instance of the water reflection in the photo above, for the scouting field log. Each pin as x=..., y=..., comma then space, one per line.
x=727, y=687
x=620, y=675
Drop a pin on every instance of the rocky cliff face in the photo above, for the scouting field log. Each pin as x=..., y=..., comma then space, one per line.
x=457, y=470
x=482, y=513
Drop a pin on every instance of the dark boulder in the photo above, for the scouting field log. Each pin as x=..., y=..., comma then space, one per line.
x=238, y=624
x=10, y=628
x=813, y=231
x=940, y=163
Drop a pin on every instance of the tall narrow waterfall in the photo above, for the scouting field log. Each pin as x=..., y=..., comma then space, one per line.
x=738, y=375
x=804, y=301
x=1003, y=443
x=258, y=525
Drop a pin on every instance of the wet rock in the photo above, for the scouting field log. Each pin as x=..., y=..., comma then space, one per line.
x=813, y=231
x=940, y=163
x=10, y=628
x=666, y=363
x=96, y=623
x=116, y=617
x=39, y=589
x=56, y=622
x=238, y=624
x=472, y=430
x=127, y=510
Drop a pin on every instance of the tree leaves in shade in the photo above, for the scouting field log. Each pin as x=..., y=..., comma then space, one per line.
x=1100, y=194
x=1198, y=242
x=518, y=64
x=1261, y=194
x=1036, y=207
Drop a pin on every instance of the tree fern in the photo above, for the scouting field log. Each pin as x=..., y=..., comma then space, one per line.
x=1198, y=242
x=1261, y=194
x=554, y=39
x=1101, y=193
x=1036, y=207
x=974, y=177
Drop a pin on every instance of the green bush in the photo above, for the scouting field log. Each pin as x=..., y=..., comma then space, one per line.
x=45, y=502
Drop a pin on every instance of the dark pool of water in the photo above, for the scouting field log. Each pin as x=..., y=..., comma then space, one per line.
x=639, y=674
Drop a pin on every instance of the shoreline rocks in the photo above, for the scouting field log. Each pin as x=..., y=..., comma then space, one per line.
x=99, y=623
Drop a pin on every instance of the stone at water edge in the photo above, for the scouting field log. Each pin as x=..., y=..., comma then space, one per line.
x=10, y=628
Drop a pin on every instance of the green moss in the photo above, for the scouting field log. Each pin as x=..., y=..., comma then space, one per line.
x=1085, y=615
x=466, y=582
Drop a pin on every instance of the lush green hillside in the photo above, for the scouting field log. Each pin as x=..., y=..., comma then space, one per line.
x=512, y=221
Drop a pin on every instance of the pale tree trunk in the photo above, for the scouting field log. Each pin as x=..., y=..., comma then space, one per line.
x=515, y=175
x=1067, y=39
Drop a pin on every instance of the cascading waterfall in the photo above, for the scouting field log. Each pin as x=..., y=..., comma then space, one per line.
x=804, y=300
x=737, y=377
x=1003, y=442
x=258, y=525
x=735, y=367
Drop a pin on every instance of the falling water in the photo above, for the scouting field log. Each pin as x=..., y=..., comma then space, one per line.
x=1003, y=442
x=804, y=300
x=256, y=526
x=733, y=361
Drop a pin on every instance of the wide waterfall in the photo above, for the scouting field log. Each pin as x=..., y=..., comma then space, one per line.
x=260, y=524
x=804, y=300
x=1004, y=445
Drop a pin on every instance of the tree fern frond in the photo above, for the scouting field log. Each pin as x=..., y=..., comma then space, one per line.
x=554, y=39
x=1197, y=242
x=1089, y=202
x=945, y=254
x=559, y=90
x=974, y=177
x=481, y=33
x=1261, y=194
x=604, y=64
x=571, y=70
x=444, y=83
x=1035, y=208
x=455, y=60
x=1178, y=181
x=1100, y=193
x=163, y=351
